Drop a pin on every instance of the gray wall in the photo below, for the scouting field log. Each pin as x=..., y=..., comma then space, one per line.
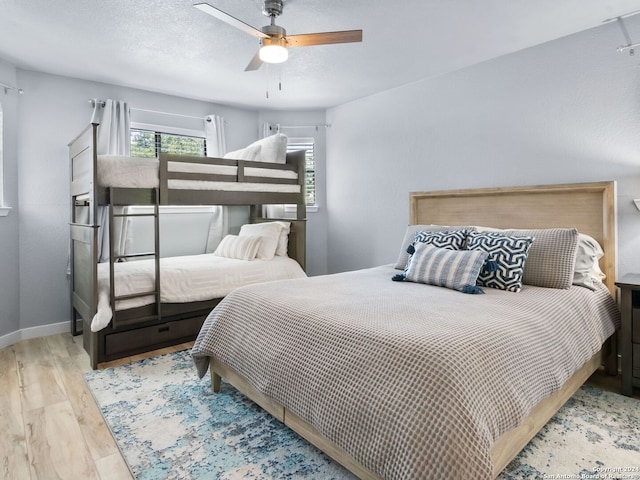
x=9, y=278
x=566, y=111
x=316, y=220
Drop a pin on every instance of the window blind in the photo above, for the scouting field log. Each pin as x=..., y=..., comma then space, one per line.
x=148, y=143
x=306, y=144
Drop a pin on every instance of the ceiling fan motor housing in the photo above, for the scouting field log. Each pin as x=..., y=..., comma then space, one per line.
x=274, y=31
x=272, y=8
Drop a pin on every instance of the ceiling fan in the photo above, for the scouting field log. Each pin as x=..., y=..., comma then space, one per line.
x=274, y=40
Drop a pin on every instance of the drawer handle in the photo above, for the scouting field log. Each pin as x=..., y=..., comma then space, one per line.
x=163, y=329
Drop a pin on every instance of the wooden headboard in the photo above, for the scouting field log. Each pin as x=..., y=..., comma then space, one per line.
x=589, y=207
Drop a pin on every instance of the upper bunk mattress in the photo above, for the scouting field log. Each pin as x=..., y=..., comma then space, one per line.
x=137, y=172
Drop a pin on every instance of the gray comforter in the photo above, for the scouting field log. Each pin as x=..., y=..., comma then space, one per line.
x=413, y=381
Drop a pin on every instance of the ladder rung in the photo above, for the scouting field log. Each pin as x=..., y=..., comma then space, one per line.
x=136, y=295
x=134, y=255
x=135, y=215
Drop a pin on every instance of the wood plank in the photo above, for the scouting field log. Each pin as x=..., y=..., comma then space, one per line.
x=40, y=383
x=113, y=467
x=63, y=346
x=52, y=434
x=14, y=461
x=95, y=431
x=10, y=398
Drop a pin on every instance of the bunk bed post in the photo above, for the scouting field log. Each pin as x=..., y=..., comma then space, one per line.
x=83, y=237
x=93, y=214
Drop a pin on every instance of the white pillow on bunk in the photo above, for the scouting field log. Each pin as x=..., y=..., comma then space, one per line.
x=283, y=240
x=240, y=248
x=249, y=153
x=273, y=148
x=270, y=235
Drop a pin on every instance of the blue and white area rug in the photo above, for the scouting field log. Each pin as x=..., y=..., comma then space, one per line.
x=169, y=425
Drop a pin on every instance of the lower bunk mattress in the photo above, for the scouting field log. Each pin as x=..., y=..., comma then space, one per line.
x=412, y=381
x=183, y=279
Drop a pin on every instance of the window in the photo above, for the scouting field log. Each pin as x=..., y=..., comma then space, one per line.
x=310, y=172
x=149, y=143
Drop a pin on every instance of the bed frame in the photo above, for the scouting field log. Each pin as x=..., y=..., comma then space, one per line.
x=158, y=325
x=589, y=207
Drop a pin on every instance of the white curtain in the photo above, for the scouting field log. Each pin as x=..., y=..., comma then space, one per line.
x=114, y=138
x=114, y=131
x=215, y=136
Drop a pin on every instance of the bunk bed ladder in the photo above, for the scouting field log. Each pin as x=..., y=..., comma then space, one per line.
x=116, y=256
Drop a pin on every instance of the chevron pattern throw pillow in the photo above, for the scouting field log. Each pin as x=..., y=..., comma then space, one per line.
x=507, y=256
x=453, y=240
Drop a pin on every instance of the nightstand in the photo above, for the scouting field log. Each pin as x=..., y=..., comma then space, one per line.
x=630, y=332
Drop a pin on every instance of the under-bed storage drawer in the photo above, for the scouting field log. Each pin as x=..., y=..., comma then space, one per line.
x=156, y=336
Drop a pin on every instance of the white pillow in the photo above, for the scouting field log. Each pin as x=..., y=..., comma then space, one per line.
x=249, y=153
x=283, y=241
x=272, y=149
x=241, y=248
x=587, y=267
x=269, y=233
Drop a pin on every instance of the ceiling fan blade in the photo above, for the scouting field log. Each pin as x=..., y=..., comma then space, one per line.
x=255, y=63
x=233, y=21
x=325, y=38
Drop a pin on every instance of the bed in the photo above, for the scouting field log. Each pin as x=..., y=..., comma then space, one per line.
x=407, y=380
x=137, y=301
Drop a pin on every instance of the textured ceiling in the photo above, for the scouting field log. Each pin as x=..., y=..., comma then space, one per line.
x=168, y=46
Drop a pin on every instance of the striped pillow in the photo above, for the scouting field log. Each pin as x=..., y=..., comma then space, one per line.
x=240, y=248
x=455, y=269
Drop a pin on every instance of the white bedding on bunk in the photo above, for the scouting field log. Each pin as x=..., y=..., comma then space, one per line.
x=137, y=172
x=185, y=279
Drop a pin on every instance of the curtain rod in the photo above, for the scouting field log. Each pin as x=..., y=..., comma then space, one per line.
x=277, y=126
x=169, y=113
x=102, y=103
x=9, y=87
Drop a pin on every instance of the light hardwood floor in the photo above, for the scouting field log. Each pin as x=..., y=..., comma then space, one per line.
x=50, y=426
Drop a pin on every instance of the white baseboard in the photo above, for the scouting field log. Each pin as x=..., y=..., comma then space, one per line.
x=33, y=332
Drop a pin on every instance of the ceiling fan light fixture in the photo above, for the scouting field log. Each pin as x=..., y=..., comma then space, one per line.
x=273, y=50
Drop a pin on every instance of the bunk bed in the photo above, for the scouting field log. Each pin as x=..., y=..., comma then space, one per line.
x=98, y=181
